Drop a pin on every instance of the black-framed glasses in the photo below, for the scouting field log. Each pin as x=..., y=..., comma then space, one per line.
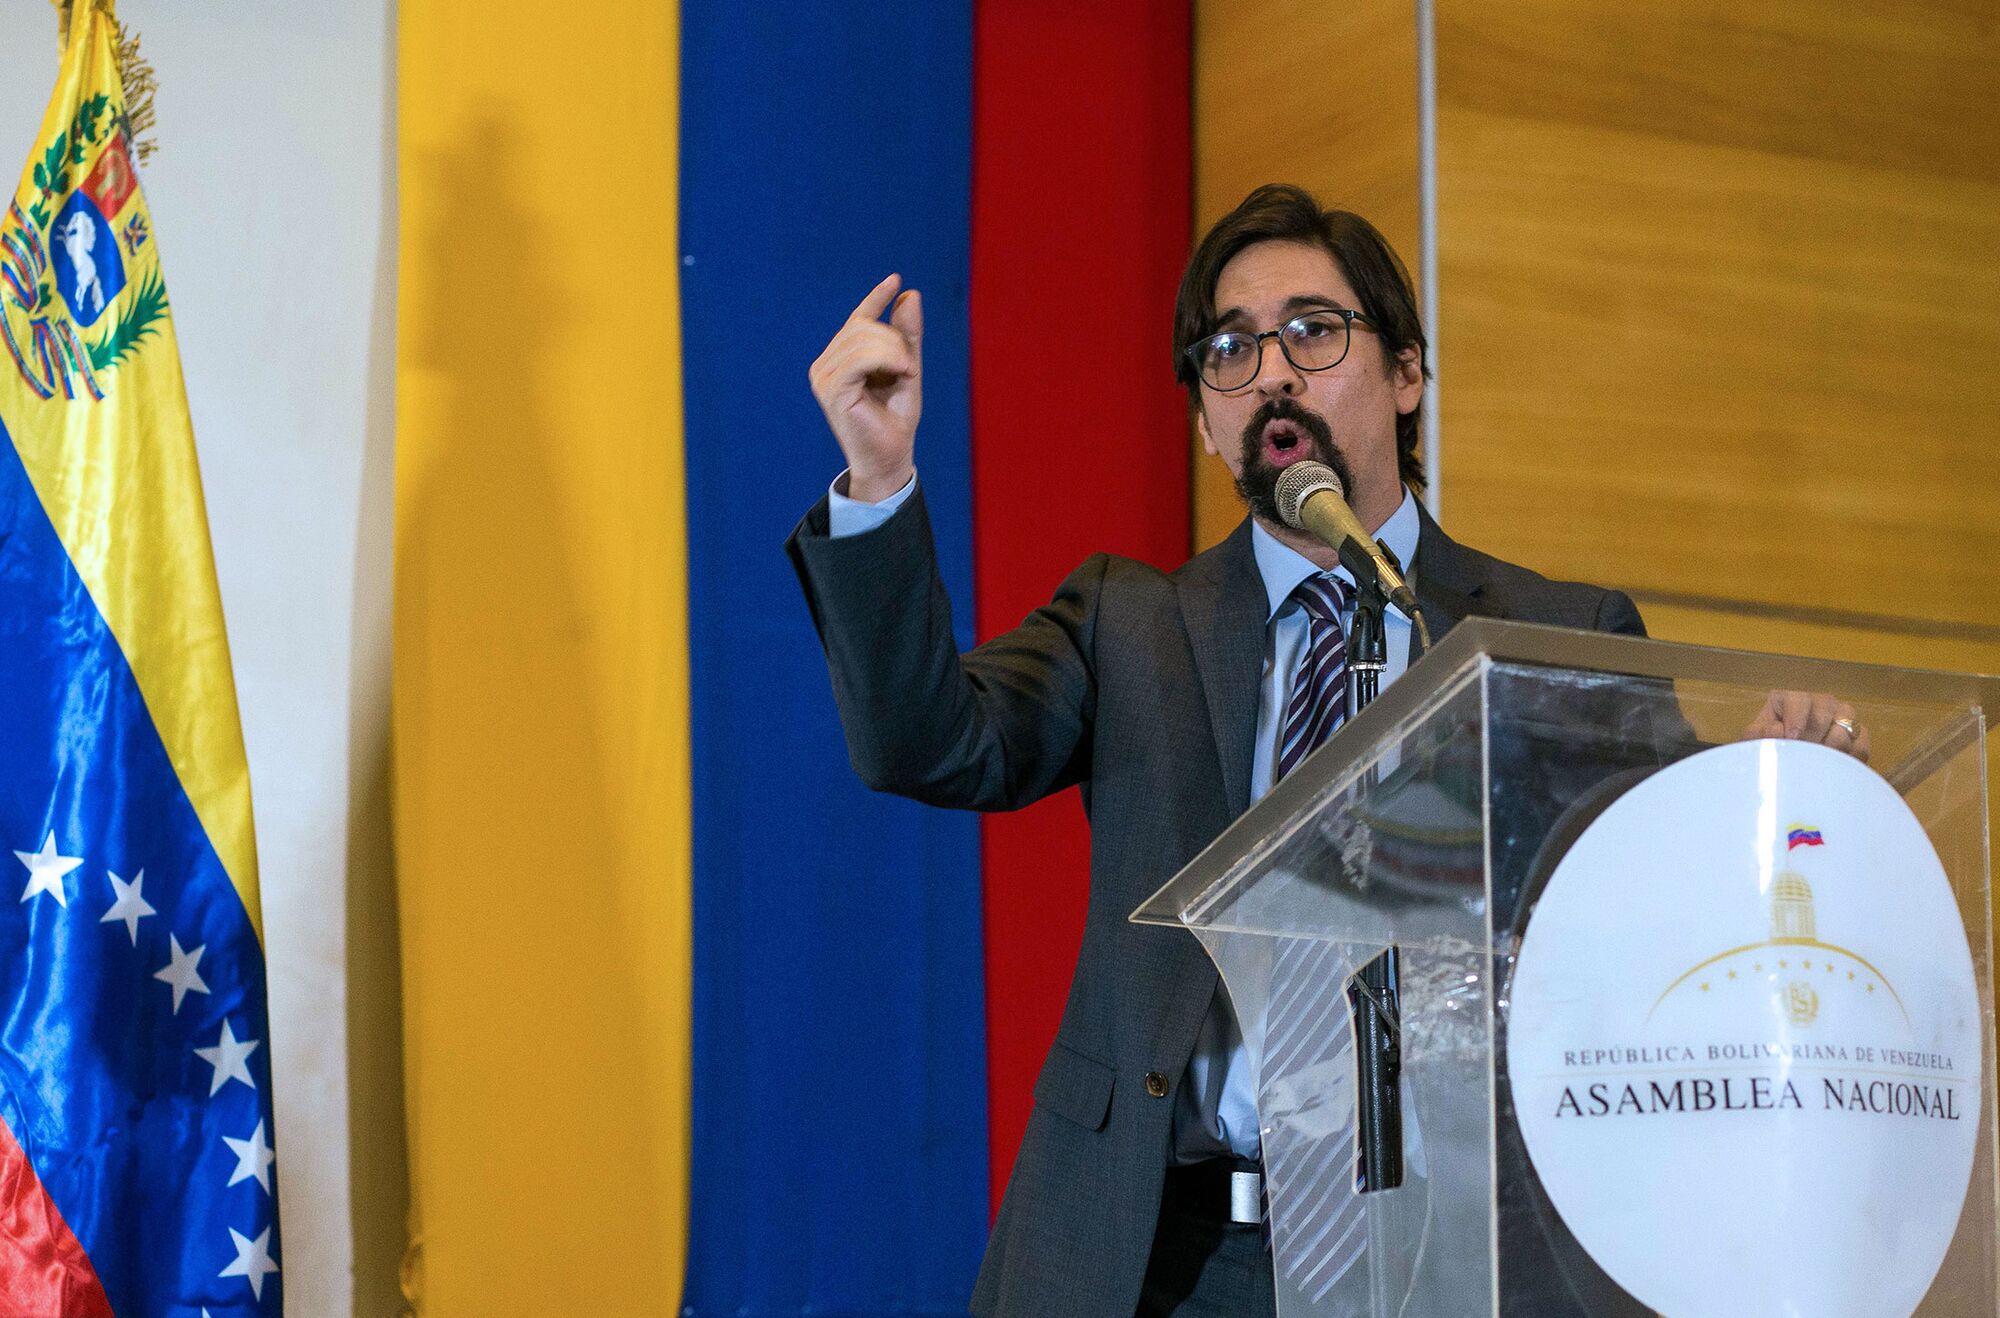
x=1316, y=341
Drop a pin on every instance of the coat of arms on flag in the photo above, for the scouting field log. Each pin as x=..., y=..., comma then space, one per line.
x=63, y=258
x=137, y=1170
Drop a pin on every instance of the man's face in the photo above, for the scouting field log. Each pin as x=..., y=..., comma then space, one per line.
x=1344, y=416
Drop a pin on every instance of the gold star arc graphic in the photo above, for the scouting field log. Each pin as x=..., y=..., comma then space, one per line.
x=1757, y=967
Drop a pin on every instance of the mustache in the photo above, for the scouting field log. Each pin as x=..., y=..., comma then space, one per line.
x=1257, y=480
x=1284, y=409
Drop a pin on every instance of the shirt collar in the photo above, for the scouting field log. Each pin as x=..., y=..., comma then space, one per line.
x=1283, y=567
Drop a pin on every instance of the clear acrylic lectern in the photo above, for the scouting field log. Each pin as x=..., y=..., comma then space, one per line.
x=1687, y=1023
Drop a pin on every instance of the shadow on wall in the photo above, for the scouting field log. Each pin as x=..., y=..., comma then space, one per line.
x=378, y=1167
x=524, y=716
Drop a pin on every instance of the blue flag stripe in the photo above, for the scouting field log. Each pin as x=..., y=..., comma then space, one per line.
x=100, y=1080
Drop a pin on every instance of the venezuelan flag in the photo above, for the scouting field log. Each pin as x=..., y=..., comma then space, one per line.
x=1801, y=836
x=136, y=1166
x=694, y=1022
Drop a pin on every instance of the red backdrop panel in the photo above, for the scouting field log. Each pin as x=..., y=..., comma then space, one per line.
x=1081, y=210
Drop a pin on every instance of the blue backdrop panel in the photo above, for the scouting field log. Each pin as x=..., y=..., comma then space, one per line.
x=839, y=1144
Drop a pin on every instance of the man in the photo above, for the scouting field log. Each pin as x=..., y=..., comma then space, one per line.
x=1165, y=697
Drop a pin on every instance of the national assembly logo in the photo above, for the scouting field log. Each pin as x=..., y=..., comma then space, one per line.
x=80, y=284
x=1729, y=1027
x=1845, y=1066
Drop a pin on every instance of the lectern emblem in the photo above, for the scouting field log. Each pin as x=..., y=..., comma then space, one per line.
x=1726, y=1027
x=1794, y=965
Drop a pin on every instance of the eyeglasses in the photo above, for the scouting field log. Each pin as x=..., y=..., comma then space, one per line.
x=1316, y=341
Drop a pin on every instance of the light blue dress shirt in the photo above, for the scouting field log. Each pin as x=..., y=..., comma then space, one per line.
x=845, y=516
x=1216, y=1114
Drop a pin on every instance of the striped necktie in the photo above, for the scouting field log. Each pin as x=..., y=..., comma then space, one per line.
x=1319, y=687
x=1308, y=1083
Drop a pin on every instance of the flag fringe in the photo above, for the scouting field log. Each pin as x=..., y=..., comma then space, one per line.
x=135, y=74
x=141, y=86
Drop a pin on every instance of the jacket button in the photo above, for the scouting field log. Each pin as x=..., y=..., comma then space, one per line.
x=1156, y=1084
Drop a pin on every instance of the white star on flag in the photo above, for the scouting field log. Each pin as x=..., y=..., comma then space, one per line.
x=253, y=1158
x=228, y=1057
x=131, y=906
x=253, y=1260
x=46, y=870
x=181, y=972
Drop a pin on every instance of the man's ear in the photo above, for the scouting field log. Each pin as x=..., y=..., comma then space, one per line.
x=1407, y=378
x=1201, y=428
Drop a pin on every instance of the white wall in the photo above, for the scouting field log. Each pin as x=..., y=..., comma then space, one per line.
x=273, y=197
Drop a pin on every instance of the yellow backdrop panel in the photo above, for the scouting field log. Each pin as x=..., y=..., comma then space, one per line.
x=541, y=759
x=1324, y=96
x=1721, y=299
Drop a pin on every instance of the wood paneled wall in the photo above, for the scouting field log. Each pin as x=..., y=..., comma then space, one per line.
x=1720, y=297
x=1720, y=307
x=1324, y=96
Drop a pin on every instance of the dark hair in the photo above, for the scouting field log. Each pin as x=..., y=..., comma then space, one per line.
x=1280, y=212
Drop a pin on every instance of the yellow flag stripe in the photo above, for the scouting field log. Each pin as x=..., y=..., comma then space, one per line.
x=541, y=657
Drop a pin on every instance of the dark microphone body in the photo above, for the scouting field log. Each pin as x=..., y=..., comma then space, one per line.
x=1311, y=498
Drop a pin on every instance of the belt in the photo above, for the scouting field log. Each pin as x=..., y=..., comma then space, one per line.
x=1220, y=1189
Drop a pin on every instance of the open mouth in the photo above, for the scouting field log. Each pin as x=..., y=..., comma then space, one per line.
x=1285, y=442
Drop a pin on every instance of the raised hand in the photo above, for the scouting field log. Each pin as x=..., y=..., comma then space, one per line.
x=870, y=384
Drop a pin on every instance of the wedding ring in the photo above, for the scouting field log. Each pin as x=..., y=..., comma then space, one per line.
x=1847, y=725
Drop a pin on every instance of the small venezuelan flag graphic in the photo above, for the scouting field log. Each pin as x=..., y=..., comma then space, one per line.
x=1801, y=836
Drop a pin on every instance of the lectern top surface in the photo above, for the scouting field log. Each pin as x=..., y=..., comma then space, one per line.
x=1587, y=700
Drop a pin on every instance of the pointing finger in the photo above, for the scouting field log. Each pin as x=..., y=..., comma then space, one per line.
x=877, y=301
x=908, y=317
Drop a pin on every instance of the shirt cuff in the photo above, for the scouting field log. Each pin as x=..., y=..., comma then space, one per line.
x=845, y=516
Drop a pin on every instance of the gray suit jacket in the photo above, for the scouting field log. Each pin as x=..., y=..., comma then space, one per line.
x=1141, y=687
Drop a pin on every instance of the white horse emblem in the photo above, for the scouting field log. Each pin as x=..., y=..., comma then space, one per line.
x=79, y=237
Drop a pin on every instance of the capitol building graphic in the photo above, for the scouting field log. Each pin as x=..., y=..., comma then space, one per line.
x=1793, y=974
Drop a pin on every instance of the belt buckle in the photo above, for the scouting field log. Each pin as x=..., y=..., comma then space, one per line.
x=1246, y=1198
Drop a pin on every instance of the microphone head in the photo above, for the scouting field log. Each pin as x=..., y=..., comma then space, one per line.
x=1300, y=480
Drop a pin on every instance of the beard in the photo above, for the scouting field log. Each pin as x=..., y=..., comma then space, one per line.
x=1257, y=479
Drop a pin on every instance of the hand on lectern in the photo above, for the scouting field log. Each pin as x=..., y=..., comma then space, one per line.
x=1810, y=716
x=869, y=382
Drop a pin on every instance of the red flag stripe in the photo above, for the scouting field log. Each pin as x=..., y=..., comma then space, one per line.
x=1082, y=203
x=43, y=1270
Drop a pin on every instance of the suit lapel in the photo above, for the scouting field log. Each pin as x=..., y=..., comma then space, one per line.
x=1448, y=581
x=1223, y=605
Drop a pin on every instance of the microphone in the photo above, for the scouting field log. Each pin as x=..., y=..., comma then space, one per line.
x=1312, y=499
